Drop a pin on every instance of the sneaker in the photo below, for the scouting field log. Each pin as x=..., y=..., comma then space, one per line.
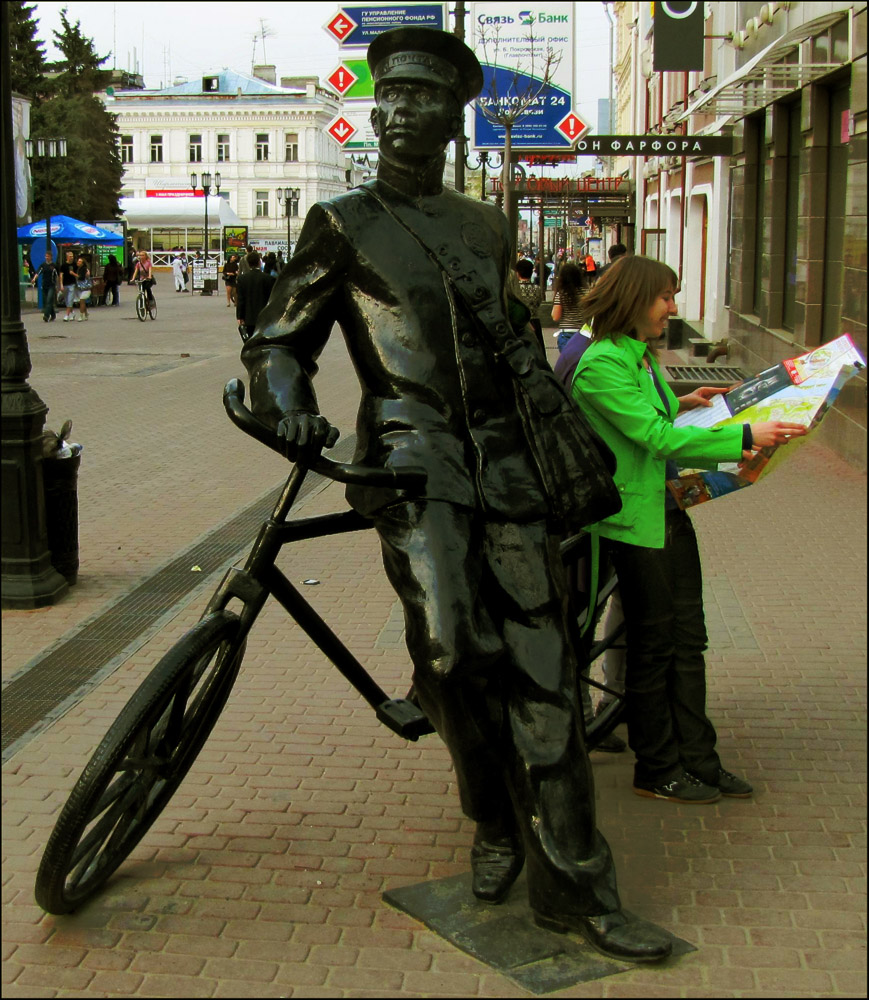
x=732, y=786
x=80, y=319
x=44, y=319
x=66, y=319
x=683, y=788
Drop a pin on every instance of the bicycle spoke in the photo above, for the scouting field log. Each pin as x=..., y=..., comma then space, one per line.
x=103, y=828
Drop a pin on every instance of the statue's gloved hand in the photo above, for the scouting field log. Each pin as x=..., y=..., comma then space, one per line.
x=304, y=435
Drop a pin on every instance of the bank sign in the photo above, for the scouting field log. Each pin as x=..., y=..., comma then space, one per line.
x=511, y=40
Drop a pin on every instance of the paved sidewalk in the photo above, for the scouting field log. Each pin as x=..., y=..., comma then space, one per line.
x=263, y=876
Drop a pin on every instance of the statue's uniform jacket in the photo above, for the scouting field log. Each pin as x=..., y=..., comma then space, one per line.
x=433, y=394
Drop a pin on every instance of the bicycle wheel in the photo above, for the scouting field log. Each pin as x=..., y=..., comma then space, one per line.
x=140, y=762
x=140, y=307
x=152, y=308
x=591, y=640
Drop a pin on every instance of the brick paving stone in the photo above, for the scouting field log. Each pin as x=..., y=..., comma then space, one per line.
x=770, y=891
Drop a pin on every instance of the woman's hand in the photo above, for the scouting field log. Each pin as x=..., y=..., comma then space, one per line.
x=556, y=312
x=700, y=397
x=773, y=432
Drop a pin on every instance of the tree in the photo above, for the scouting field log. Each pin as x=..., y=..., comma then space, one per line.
x=26, y=52
x=505, y=105
x=86, y=183
x=79, y=71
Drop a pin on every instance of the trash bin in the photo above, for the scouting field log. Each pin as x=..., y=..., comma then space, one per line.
x=60, y=481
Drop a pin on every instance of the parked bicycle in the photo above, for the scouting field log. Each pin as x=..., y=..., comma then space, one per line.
x=149, y=749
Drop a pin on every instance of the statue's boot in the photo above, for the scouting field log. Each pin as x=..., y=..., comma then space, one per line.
x=497, y=858
x=613, y=934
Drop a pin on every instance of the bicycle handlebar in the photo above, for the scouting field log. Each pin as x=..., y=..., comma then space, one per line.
x=352, y=475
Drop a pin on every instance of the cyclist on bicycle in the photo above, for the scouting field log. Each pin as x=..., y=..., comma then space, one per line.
x=143, y=272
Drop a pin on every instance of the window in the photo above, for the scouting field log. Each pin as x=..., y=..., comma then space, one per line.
x=792, y=220
x=156, y=148
x=222, y=148
x=759, y=135
x=262, y=204
x=126, y=149
x=292, y=147
x=196, y=149
x=262, y=146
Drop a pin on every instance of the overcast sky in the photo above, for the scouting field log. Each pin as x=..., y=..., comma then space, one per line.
x=191, y=39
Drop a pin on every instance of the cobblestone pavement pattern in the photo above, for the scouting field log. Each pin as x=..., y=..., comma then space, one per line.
x=263, y=877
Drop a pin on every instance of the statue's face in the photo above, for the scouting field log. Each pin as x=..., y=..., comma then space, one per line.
x=414, y=121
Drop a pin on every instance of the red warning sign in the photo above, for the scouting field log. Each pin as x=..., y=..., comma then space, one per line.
x=572, y=127
x=341, y=25
x=341, y=130
x=342, y=79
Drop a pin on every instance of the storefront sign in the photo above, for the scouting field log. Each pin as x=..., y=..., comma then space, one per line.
x=678, y=36
x=655, y=145
x=174, y=193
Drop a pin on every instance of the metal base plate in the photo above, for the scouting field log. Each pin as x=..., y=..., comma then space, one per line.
x=506, y=938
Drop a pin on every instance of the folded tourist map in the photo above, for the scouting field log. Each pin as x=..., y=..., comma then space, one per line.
x=800, y=390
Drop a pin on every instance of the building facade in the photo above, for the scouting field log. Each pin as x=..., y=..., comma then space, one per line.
x=259, y=137
x=770, y=242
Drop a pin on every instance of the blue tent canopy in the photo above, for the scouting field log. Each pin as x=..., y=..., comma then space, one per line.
x=67, y=230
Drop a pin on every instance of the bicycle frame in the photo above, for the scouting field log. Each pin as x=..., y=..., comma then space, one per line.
x=260, y=578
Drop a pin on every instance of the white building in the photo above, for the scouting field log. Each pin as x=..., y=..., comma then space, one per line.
x=259, y=137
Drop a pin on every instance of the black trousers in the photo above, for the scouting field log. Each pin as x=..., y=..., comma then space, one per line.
x=665, y=680
x=485, y=613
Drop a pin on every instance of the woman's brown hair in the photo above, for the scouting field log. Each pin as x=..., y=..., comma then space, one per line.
x=623, y=295
x=569, y=286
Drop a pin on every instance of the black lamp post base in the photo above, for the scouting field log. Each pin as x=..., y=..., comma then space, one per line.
x=26, y=592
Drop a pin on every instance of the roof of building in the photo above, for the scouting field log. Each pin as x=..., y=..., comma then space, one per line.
x=229, y=81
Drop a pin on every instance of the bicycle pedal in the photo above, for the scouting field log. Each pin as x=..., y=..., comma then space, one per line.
x=404, y=718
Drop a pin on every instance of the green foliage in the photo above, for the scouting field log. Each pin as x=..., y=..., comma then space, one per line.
x=86, y=183
x=26, y=51
x=79, y=71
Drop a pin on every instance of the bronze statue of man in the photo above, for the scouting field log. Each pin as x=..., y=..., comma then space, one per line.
x=414, y=275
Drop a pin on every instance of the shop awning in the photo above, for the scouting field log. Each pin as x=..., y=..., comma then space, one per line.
x=177, y=213
x=781, y=68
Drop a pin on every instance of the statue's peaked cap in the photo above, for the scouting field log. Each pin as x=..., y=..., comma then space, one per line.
x=429, y=55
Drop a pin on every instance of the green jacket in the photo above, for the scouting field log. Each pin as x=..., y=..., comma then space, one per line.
x=618, y=396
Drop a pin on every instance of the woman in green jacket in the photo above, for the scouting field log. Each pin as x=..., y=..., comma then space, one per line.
x=650, y=540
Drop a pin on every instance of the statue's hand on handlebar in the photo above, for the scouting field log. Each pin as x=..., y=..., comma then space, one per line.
x=303, y=435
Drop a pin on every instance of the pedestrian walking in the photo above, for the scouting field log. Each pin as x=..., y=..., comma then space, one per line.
x=111, y=280
x=178, y=273
x=230, y=279
x=49, y=283
x=252, y=293
x=68, y=279
x=569, y=288
x=83, y=286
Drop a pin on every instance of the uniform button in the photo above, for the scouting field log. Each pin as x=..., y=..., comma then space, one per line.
x=479, y=416
x=443, y=250
x=468, y=340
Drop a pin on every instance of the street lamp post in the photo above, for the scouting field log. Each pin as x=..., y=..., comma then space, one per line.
x=45, y=149
x=206, y=187
x=482, y=163
x=289, y=198
x=28, y=578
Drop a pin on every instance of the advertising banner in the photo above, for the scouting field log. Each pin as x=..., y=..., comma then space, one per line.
x=512, y=41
